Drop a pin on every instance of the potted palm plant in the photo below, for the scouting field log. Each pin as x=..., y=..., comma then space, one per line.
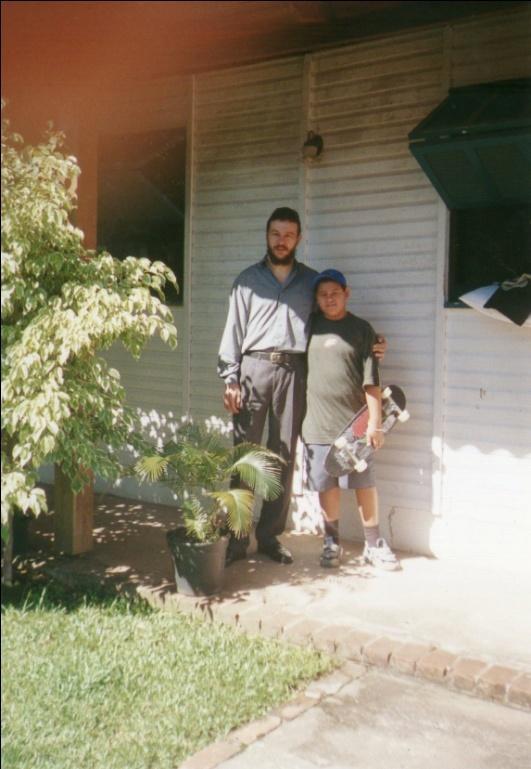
x=215, y=486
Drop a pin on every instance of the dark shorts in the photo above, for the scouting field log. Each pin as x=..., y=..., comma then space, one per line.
x=318, y=479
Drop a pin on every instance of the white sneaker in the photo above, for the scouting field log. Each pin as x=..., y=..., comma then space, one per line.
x=331, y=554
x=381, y=556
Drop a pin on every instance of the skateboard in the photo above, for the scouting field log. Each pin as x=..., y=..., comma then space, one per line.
x=350, y=450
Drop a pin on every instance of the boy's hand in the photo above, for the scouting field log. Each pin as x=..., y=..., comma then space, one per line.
x=375, y=436
x=232, y=399
x=380, y=347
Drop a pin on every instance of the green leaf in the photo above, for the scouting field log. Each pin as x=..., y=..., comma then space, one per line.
x=199, y=524
x=261, y=471
x=61, y=305
x=238, y=507
x=151, y=468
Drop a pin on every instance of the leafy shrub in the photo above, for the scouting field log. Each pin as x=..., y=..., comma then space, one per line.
x=61, y=305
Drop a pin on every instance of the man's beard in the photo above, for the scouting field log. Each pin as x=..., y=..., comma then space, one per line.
x=287, y=259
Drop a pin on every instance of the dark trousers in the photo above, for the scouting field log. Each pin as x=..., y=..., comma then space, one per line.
x=276, y=393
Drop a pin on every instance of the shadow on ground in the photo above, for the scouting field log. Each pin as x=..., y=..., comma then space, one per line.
x=130, y=549
x=466, y=607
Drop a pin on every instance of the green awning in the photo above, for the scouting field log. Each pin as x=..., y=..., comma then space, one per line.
x=475, y=147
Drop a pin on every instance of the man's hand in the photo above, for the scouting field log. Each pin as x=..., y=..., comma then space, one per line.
x=380, y=347
x=232, y=399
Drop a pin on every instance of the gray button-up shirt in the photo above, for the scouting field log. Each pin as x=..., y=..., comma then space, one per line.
x=266, y=315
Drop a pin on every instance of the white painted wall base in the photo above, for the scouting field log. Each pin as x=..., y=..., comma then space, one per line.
x=463, y=538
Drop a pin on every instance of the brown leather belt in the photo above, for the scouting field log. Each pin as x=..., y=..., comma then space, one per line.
x=276, y=357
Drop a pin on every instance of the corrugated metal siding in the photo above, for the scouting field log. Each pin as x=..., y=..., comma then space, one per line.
x=371, y=212
x=246, y=162
x=486, y=458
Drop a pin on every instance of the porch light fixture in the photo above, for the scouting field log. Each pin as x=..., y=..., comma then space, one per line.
x=313, y=146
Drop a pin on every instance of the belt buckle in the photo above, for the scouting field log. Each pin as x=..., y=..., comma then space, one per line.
x=277, y=357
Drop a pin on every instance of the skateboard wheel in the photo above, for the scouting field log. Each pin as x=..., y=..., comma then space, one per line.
x=341, y=442
x=404, y=416
x=360, y=466
x=387, y=392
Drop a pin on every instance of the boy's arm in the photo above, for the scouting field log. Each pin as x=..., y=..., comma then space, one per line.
x=373, y=395
x=380, y=347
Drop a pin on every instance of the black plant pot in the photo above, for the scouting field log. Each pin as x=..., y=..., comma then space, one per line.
x=199, y=567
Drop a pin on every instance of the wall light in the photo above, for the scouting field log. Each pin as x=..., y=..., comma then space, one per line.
x=313, y=146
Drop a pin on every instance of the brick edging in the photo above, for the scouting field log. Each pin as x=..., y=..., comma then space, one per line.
x=479, y=678
x=435, y=661
x=358, y=651
x=240, y=738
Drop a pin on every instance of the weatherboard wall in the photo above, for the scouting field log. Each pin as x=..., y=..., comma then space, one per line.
x=371, y=212
x=246, y=161
x=484, y=437
x=459, y=471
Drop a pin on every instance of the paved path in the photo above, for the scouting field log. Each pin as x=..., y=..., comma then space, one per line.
x=463, y=625
x=377, y=721
x=469, y=608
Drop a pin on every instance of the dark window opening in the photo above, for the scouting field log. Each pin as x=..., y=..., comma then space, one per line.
x=487, y=245
x=141, y=198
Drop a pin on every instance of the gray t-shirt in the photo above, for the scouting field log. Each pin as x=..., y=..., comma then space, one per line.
x=340, y=365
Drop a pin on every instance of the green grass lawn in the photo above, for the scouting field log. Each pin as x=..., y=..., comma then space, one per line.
x=104, y=683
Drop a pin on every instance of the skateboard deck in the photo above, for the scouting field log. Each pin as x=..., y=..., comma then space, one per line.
x=350, y=450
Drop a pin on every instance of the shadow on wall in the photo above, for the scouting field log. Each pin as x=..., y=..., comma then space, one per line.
x=478, y=493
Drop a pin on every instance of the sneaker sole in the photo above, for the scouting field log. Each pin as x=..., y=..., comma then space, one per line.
x=383, y=566
x=331, y=563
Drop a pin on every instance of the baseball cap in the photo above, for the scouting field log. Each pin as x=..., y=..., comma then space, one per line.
x=334, y=275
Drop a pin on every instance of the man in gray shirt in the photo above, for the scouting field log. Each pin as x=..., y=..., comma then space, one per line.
x=262, y=359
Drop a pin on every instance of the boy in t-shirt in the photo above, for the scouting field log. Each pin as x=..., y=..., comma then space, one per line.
x=342, y=377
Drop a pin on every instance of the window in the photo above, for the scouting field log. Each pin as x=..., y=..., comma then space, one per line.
x=141, y=198
x=487, y=245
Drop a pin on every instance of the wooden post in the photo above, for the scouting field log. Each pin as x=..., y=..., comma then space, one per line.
x=74, y=513
x=73, y=516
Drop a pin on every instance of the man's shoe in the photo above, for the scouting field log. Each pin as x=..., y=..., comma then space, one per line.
x=381, y=556
x=236, y=551
x=276, y=551
x=331, y=554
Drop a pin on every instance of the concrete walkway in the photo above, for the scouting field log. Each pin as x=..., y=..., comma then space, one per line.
x=460, y=625
x=376, y=721
x=465, y=609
